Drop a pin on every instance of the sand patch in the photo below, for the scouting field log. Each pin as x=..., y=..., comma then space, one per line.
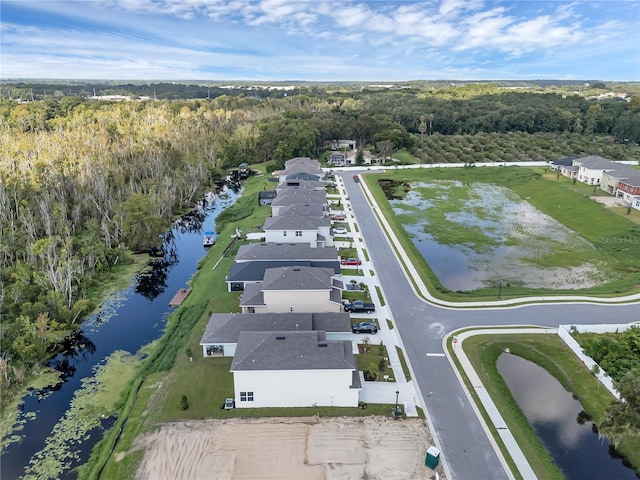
x=309, y=448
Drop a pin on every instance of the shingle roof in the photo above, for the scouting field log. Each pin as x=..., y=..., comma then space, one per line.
x=632, y=180
x=226, y=327
x=295, y=222
x=291, y=351
x=297, y=278
x=622, y=171
x=302, y=184
x=285, y=251
x=594, y=162
x=254, y=271
x=252, y=295
x=300, y=198
x=304, y=210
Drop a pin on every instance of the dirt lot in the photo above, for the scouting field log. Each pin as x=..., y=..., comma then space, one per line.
x=308, y=448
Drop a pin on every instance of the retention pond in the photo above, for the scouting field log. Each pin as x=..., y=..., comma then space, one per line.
x=560, y=422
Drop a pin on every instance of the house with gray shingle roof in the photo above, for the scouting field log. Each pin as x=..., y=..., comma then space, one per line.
x=303, y=198
x=221, y=335
x=284, y=251
x=294, y=369
x=301, y=184
x=293, y=289
x=629, y=187
x=253, y=259
x=313, y=231
x=244, y=273
x=590, y=169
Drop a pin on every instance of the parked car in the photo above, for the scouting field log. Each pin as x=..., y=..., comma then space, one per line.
x=364, y=327
x=340, y=230
x=350, y=261
x=359, y=306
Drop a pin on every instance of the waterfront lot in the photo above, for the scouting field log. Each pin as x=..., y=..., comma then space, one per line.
x=312, y=448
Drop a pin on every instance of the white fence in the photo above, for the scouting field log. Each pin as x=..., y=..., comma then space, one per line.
x=565, y=335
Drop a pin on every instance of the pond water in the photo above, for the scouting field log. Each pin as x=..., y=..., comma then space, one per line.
x=127, y=321
x=472, y=236
x=560, y=422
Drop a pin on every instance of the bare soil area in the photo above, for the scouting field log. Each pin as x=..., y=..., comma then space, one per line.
x=309, y=448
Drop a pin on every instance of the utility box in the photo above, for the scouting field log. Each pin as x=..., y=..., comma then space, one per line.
x=433, y=458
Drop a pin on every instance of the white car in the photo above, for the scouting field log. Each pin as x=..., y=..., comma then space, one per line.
x=340, y=231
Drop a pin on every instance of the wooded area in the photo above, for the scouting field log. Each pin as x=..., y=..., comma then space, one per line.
x=619, y=355
x=85, y=182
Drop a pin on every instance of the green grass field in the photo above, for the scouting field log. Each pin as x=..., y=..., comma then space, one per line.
x=616, y=238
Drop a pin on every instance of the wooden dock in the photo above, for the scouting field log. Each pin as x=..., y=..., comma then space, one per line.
x=180, y=297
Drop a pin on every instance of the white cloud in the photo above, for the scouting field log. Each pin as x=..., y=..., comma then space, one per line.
x=289, y=37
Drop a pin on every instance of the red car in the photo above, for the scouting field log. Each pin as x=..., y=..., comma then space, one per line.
x=350, y=261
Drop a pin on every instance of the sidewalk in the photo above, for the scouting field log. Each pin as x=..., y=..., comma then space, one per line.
x=487, y=403
x=376, y=392
x=421, y=290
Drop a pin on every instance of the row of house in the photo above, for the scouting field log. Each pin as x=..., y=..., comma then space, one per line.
x=291, y=343
x=620, y=180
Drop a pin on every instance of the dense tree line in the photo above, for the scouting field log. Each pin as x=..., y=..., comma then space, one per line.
x=83, y=182
x=619, y=356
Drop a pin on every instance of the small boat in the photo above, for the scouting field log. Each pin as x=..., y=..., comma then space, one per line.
x=209, y=239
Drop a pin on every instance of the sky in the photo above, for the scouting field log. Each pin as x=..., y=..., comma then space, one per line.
x=320, y=40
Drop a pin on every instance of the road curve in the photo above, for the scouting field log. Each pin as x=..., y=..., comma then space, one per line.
x=422, y=326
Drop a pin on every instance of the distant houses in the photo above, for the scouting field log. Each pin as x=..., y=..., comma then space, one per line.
x=620, y=180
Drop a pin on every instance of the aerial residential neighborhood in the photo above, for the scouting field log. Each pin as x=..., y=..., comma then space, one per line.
x=293, y=335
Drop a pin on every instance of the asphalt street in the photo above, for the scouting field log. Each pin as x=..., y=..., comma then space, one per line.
x=422, y=327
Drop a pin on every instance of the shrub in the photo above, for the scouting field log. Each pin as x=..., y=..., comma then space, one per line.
x=184, y=402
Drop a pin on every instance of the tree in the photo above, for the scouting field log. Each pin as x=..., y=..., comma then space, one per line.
x=359, y=157
x=385, y=149
x=143, y=229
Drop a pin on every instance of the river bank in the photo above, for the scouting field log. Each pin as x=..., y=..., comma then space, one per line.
x=59, y=426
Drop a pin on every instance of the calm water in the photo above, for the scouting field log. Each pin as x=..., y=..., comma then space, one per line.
x=558, y=420
x=511, y=237
x=127, y=321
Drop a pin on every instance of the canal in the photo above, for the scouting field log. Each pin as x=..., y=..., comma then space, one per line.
x=126, y=321
x=560, y=422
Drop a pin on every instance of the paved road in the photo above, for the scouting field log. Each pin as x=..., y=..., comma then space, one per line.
x=422, y=327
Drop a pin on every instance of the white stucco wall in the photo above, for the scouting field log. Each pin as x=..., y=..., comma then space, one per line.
x=295, y=388
x=304, y=301
x=279, y=236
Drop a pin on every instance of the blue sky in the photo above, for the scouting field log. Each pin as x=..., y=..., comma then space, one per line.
x=320, y=40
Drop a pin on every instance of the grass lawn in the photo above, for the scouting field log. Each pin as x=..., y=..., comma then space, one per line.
x=373, y=359
x=614, y=236
x=155, y=397
x=549, y=352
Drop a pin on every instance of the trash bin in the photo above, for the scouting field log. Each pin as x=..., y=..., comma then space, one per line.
x=433, y=457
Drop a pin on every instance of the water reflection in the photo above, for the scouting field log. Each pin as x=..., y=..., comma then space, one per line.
x=475, y=235
x=560, y=422
x=153, y=281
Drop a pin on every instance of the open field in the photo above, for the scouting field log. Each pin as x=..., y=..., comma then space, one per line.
x=309, y=448
x=614, y=238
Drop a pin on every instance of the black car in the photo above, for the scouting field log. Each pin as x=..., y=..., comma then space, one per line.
x=364, y=327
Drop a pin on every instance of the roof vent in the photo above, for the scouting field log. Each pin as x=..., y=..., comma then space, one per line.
x=322, y=344
x=280, y=337
x=296, y=269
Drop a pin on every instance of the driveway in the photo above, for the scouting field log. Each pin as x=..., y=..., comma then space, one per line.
x=422, y=326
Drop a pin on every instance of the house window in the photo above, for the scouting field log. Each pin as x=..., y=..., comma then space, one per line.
x=246, y=396
x=298, y=233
